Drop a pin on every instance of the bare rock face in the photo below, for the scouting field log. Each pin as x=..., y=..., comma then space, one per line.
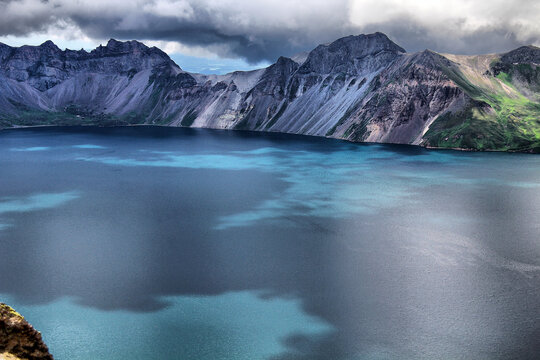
x=18, y=339
x=404, y=98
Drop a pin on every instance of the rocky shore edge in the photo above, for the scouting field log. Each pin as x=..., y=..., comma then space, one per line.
x=18, y=339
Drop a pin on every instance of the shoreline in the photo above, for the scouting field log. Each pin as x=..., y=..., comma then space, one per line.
x=427, y=147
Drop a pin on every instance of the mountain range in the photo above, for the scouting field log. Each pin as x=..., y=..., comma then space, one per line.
x=361, y=88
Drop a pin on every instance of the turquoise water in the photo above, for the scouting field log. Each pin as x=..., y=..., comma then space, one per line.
x=197, y=244
x=239, y=325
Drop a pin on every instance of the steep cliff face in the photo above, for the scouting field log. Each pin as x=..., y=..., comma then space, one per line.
x=402, y=101
x=359, y=88
x=18, y=339
x=326, y=85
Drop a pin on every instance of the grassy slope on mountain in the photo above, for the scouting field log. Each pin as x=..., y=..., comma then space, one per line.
x=504, y=113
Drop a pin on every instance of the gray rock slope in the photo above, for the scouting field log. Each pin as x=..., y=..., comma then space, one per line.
x=358, y=88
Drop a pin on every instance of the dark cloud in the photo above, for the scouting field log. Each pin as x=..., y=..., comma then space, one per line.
x=484, y=40
x=20, y=18
x=264, y=30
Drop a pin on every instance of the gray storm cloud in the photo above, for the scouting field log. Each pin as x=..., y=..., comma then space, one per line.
x=264, y=30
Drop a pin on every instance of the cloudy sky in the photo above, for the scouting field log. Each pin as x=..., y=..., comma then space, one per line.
x=223, y=35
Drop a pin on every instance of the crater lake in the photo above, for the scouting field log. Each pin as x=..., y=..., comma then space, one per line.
x=162, y=243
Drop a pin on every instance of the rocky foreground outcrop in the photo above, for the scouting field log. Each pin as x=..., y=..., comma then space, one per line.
x=18, y=339
x=361, y=88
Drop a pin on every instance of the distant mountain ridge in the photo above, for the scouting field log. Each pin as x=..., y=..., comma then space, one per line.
x=357, y=88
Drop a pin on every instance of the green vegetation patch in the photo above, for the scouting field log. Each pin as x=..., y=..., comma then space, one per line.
x=503, y=124
x=492, y=120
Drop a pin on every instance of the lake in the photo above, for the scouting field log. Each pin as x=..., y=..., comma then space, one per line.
x=162, y=243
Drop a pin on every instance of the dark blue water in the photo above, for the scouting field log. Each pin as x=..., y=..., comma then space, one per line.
x=155, y=243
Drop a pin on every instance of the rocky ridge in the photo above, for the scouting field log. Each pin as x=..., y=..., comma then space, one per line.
x=359, y=88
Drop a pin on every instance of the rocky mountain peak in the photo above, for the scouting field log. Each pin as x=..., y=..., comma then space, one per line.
x=285, y=63
x=50, y=45
x=359, y=45
x=281, y=69
x=283, y=66
x=430, y=58
x=522, y=55
x=351, y=54
x=125, y=46
x=132, y=50
x=112, y=43
x=115, y=47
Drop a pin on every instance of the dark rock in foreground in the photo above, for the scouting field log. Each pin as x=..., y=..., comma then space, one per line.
x=18, y=339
